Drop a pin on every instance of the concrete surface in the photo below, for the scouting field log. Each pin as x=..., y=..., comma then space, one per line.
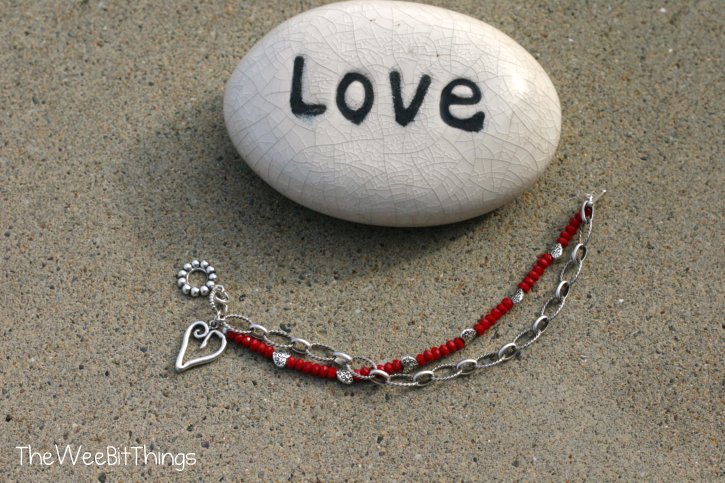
x=115, y=168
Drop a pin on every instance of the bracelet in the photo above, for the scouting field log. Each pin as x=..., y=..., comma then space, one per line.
x=324, y=361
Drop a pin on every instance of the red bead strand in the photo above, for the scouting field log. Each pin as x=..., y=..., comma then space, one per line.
x=293, y=363
x=543, y=261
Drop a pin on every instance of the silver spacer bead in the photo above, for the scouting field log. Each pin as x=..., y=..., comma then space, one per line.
x=194, y=291
x=468, y=335
x=344, y=376
x=187, y=267
x=195, y=263
x=556, y=251
x=203, y=290
x=280, y=359
x=186, y=289
x=409, y=363
x=181, y=282
x=210, y=269
x=204, y=264
x=518, y=296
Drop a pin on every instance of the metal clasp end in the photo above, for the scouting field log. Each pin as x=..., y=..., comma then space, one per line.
x=593, y=199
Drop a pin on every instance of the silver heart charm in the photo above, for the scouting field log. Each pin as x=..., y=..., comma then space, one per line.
x=200, y=330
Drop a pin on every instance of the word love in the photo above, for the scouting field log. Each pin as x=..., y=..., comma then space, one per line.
x=404, y=115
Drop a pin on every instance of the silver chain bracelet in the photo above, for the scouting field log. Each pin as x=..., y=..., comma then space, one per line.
x=327, y=362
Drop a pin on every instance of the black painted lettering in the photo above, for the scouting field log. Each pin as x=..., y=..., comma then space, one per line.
x=299, y=107
x=355, y=115
x=448, y=99
x=405, y=115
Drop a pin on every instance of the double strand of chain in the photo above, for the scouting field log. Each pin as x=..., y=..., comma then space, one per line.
x=281, y=347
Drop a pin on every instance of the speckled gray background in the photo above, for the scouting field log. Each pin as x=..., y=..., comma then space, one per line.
x=115, y=168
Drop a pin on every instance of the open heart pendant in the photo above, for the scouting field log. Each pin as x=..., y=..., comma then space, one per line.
x=200, y=330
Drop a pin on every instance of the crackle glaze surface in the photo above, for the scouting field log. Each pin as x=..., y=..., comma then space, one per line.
x=379, y=170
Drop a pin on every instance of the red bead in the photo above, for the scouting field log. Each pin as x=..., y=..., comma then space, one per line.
x=565, y=235
x=365, y=371
x=452, y=347
x=436, y=353
x=488, y=321
x=479, y=328
x=502, y=308
x=331, y=372
x=507, y=302
x=460, y=343
x=543, y=263
x=315, y=370
x=231, y=335
x=323, y=372
x=530, y=281
x=578, y=216
x=525, y=287
x=421, y=359
x=547, y=257
x=444, y=350
x=380, y=367
x=495, y=314
x=270, y=351
x=533, y=276
x=397, y=365
x=570, y=230
x=428, y=356
x=246, y=340
x=588, y=211
x=307, y=367
x=253, y=345
x=564, y=242
x=538, y=269
x=237, y=338
x=388, y=367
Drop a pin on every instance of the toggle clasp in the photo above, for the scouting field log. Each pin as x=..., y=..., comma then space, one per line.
x=200, y=267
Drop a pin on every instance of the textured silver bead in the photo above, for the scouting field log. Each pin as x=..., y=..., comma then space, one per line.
x=409, y=363
x=518, y=296
x=468, y=335
x=280, y=358
x=556, y=251
x=344, y=376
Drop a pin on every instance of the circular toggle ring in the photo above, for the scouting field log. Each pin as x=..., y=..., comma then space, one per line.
x=201, y=267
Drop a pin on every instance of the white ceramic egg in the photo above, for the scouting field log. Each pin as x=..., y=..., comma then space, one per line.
x=393, y=113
